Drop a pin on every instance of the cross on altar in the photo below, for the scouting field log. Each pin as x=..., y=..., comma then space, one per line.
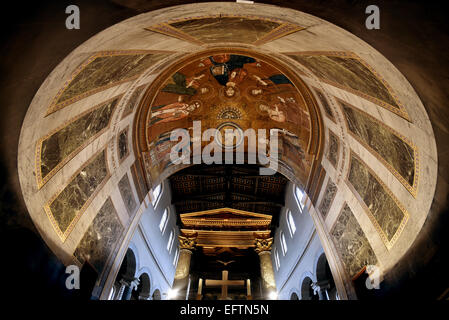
x=224, y=283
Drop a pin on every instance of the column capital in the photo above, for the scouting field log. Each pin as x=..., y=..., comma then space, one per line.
x=187, y=242
x=263, y=245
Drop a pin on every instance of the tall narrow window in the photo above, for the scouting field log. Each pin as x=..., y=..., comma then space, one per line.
x=299, y=195
x=283, y=244
x=175, y=259
x=291, y=223
x=157, y=194
x=164, y=220
x=170, y=241
x=276, y=259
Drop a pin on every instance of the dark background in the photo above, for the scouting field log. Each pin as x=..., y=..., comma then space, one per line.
x=413, y=35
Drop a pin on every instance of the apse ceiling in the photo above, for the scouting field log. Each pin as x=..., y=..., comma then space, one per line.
x=235, y=89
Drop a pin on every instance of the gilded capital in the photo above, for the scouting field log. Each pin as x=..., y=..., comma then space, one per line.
x=187, y=242
x=263, y=244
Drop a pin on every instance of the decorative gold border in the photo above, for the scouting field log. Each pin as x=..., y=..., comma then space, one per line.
x=120, y=161
x=284, y=28
x=64, y=235
x=338, y=251
x=347, y=54
x=55, y=106
x=388, y=243
x=168, y=30
x=332, y=200
x=225, y=210
x=41, y=181
x=412, y=189
x=331, y=133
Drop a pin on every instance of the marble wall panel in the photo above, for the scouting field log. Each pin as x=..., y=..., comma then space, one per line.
x=122, y=142
x=328, y=197
x=325, y=104
x=382, y=207
x=66, y=207
x=225, y=29
x=100, y=238
x=347, y=71
x=394, y=150
x=333, y=149
x=351, y=243
x=58, y=147
x=210, y=29
x=127, y=195
x=101, y=71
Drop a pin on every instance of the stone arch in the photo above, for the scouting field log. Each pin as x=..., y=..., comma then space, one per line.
x=306, y=289
x=129, y=266
x=142, y=292
x=294, y=295
x=156, y=295
x=319, y=266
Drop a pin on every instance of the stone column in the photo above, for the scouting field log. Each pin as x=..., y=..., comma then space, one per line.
x=263, y=249
x=129, y=286
x=186, y=247
x=321, y=289
x=119, y=294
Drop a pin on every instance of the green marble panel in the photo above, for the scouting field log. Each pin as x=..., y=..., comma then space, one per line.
x=383, y=141
x=127, y=194
x=123, y=144
x=325, y=104
x=328, y=197
x=351, y=243
x=71, y=201
x=224, y=29
x=333, y=149
x=59, y=147
x=106, y=70
x=348, y=72
x=100, y=238
x=379, y=202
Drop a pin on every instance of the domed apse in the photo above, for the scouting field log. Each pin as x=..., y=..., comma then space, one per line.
x=108, y=184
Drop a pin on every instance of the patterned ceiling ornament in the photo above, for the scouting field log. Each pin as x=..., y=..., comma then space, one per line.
x=229, y=113
x=263, y=244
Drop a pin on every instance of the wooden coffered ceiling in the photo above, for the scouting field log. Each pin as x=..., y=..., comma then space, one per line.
x=241, y=187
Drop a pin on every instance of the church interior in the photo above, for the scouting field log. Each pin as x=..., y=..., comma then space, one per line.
x=116, y=163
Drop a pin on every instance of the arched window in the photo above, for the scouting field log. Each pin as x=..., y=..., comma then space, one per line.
x=299, y=195
x=283, y=244
x=171, y=240
x=276, y=259
x=164, y=221
x=175, y=259
x=291, y=223
x=157, y=194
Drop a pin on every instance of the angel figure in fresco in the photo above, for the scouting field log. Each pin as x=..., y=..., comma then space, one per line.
x=273, y=112
x=173, y=111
